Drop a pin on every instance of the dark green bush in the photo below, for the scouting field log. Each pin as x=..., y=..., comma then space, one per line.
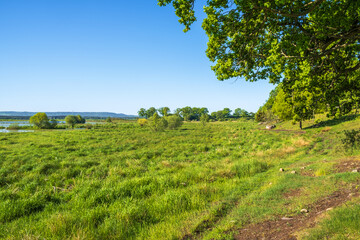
x=174, y=122
x=351, y=139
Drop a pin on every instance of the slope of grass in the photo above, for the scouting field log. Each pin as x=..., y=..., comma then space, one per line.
x=122, y=181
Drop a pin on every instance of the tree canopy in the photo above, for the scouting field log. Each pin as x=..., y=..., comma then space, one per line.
x=73, y=120
x=309, y=45
x=259, y=39
x=40, y=120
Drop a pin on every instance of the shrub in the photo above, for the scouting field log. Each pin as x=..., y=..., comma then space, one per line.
x=14, y=126
x=204, y=118
x=351, y=139
x=174, y=122
x=142, y=122
x=80, y=119
x=157, y=124
x=72, y=120
x=53, y=123
x=40, y=120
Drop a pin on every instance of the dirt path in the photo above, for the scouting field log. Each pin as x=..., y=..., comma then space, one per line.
x=284, y=130
x=285, y=227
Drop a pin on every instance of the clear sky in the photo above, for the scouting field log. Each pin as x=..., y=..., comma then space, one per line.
x=109, y=55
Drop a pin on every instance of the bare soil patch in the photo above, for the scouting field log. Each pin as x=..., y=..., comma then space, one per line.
x=348, y=165
x=285, y=227
x=292, y=193
x=284, y=130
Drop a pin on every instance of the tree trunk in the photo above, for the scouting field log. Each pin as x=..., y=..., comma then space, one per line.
x=300, y=124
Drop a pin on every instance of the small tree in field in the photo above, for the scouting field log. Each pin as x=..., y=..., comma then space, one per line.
x=71, y=120
x=80, y=119
x=156, y=123
x=40, y=120
x=174, y=122
x=204, y=118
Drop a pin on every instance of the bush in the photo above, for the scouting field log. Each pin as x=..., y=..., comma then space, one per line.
x=40, y=120
x=351, y=139
x=204, y=118
x=174, y=122
x=72, y=120
x=14, y=126
x=157, y=124
x=142, y=122
x=53, y=123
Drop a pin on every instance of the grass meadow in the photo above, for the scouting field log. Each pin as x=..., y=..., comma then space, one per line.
x=123, y=181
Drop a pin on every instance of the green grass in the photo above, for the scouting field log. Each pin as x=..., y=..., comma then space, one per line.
x=341, y=223
x=122, y=181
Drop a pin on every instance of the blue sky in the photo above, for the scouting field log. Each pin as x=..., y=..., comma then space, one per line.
x=109, y=55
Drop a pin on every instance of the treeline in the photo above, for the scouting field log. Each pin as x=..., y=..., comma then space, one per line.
x=286, y=104
x=196, y=113
x=41, y=120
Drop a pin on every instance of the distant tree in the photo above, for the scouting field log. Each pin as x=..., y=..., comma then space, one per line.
x=251, y=115
x=40, y=120
x=241, y=113
x=71, y=120
x=164, y=111
x=237, y=112
x=142, y=113
x=150, y=112
x=80, y=119
x=213, y=115
x=108, y=120
x=220, y=116
x=226, y=113
x=186, y=113
x=178, y=112
x=174, y=122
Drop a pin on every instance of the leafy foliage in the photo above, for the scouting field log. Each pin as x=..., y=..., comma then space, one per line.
x=351, y=139
x=142, y=122
x=73, y=120
x=312, y=47
x=157, y=123
x=263, y=39
x=41, y=120
x=174, y=122
x=204, y=119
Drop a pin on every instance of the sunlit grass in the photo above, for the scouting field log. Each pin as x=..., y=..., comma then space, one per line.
x=123, y=181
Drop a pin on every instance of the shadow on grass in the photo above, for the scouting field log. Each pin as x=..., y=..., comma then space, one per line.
x=334, y=121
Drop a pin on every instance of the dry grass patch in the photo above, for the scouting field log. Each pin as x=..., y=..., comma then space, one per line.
x=300, y=142
x=326, y=129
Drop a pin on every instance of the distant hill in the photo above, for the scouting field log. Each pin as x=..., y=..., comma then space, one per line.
x=13, y=114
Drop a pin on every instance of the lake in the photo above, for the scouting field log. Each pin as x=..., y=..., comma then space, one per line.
x=6, y=124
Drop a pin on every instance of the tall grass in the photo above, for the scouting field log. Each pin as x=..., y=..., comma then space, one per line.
x=122, y=181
